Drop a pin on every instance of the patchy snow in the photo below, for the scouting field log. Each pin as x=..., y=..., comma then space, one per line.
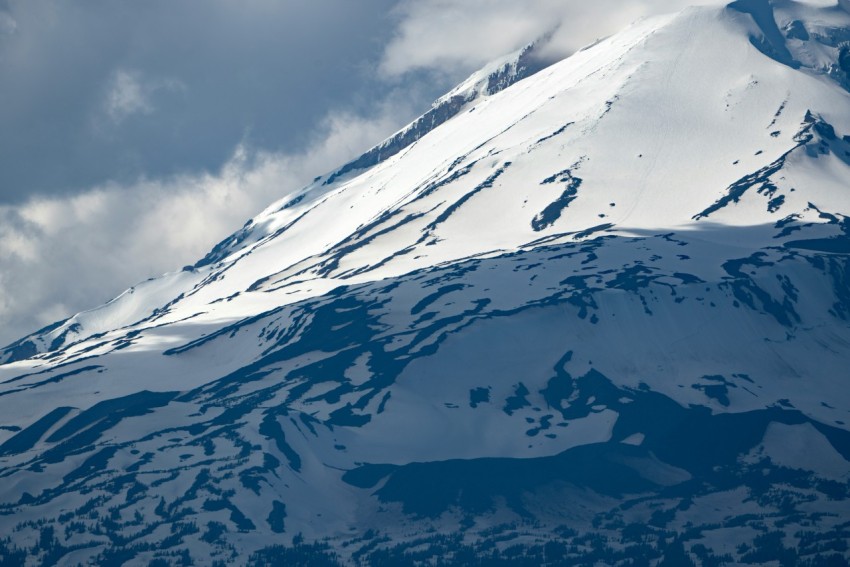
x=649, y=233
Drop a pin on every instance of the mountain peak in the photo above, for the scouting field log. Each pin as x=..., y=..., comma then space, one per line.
x=489, y=80
x=602, y=305
x=529, y=152
x=499, y=74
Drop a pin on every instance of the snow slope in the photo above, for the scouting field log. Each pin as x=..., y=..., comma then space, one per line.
x=570, y=300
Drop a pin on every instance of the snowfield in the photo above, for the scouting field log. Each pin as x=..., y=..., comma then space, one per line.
x=581, y=312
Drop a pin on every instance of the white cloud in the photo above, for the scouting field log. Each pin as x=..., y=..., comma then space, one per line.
x=130, y=93
x=445, y=34
x=126, y=96
x=61, y=255
x=451, y=37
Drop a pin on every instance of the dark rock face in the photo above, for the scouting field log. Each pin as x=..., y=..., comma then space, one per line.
x=844, y=59
x=796, y=30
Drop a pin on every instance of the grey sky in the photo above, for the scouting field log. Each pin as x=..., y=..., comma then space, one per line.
x=135, y=135
x=116, y=89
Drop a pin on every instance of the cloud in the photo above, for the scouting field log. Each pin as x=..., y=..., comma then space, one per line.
x=8, y=25
x=450, y=37
x=129, y=93
x=62, y=254
x=127, y=96
x=184, y=81
x=444, y=34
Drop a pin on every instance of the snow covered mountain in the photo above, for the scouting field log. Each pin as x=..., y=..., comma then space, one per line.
x=590, y=311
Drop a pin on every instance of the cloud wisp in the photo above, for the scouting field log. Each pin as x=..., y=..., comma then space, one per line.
x=447, y=36
x=129, y=93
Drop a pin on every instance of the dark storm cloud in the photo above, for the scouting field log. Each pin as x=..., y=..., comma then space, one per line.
x=118, y=89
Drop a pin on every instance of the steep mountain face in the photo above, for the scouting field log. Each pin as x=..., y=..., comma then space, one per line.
x=595, y=311
x=494, y=78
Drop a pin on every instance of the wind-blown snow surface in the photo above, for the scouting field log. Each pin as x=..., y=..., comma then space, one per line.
x=594, y=313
